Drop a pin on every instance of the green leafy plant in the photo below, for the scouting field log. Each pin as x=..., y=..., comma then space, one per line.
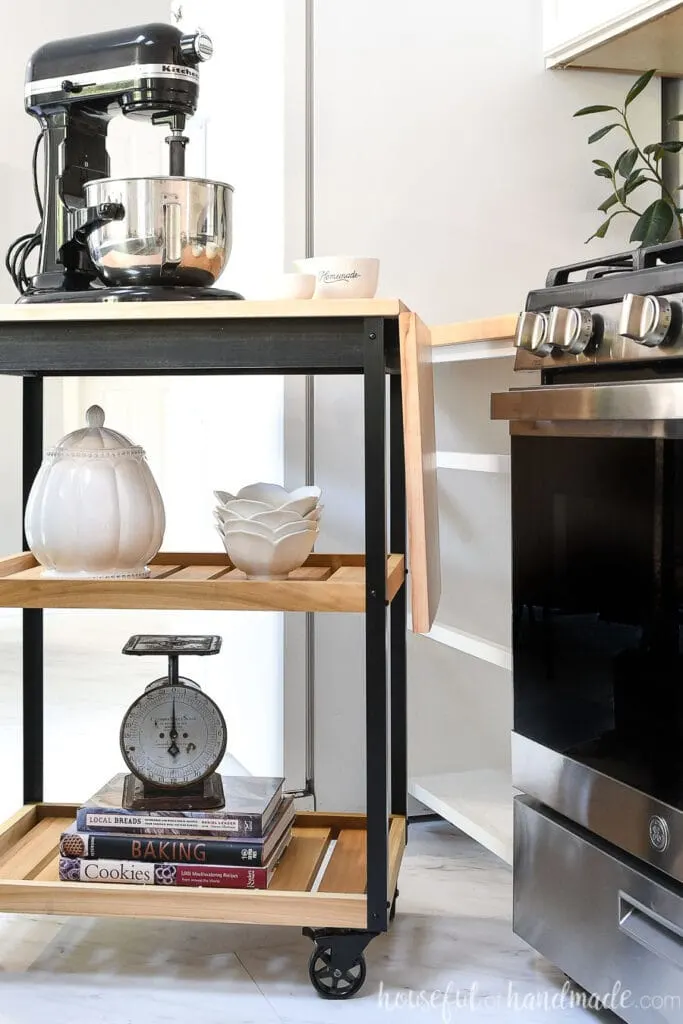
x=633, y=168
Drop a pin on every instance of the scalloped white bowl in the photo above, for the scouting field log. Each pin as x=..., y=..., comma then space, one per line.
x=224, y=515
x=262, y=530
x=263, y=558
x=266, y=530
x=245, y=508
x=302, y=499
x=302, y=506
x=272, y=494
x=277, y=518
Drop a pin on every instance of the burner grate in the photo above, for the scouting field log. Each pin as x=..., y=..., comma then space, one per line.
x=620, y=263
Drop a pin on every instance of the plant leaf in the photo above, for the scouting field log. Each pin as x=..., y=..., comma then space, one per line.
x=610, y=201
x=602, y=230
x=658, y=149
x=597, y=108
x=677, y=117
x=619, y=159
x=601, y=132
x=634, y=175
x=633, y=182
x=654, y=224
x=638, y=86
x=602, y=169
x=626, y=162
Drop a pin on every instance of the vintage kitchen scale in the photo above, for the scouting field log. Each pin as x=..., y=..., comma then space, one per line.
x=173, y=737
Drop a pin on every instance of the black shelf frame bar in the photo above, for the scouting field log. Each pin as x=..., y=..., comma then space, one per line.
x=97, y=348
x=368, y=346
x=32, y=618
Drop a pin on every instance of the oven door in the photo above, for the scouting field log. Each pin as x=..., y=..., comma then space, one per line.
x=597, y=514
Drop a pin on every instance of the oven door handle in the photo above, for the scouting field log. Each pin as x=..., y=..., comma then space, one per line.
x=631, y=409
x=649, y=930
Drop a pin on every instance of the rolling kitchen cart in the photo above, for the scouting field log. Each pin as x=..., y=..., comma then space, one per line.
x=354, y=898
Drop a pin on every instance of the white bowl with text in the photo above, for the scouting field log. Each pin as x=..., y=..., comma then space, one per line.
x=341, y=277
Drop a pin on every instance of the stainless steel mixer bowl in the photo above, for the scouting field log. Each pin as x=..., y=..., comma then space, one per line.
x=174, y=231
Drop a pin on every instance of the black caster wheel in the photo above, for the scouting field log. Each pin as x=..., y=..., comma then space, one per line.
x=332, y=983
x=392, y=909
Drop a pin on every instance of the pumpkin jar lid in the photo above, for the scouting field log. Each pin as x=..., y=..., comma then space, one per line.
x=95, y=440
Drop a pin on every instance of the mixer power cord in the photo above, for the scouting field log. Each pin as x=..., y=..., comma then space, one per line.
x=22, y=247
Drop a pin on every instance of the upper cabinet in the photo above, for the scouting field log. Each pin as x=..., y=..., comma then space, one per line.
x=614, y=35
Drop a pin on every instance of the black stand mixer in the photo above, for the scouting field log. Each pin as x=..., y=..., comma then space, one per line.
x=130, y=238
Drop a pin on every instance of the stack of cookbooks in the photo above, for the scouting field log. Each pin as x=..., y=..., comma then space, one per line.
x=236, y=847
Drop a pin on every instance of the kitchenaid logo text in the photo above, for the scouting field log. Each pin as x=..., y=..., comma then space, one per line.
x=447, y=1002
x=177, y=69
x=328, y=277
x=125, y=76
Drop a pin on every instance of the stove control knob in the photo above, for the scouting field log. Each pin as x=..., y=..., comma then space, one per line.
x=645, y=319
x=532, y=333
x=571, y=329
x=196, y=48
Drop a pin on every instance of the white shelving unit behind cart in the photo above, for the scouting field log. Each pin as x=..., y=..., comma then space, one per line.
x=477, y=799
x=614, y=35
x=479, y=803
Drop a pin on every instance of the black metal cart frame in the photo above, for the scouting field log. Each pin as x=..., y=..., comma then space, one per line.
x=34, y=349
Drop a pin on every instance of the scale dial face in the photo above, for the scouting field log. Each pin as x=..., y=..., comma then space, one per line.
x=173, y=736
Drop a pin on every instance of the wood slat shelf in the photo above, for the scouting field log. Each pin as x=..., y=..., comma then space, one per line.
x=326, y=583
x=29, y=884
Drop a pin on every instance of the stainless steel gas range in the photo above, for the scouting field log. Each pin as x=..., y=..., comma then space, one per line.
x=597, y=513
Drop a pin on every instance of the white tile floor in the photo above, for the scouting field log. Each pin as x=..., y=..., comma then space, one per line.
x=451, y=943
x=450, y=946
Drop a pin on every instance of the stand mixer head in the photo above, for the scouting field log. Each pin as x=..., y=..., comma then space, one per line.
x=74, y=87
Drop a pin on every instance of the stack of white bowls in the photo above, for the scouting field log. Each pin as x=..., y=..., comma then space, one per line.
x=267, y=531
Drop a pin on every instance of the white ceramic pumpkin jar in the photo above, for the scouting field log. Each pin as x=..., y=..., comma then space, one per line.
x=94, y=511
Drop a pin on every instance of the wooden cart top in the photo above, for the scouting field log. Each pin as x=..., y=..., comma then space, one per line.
x=200, y=309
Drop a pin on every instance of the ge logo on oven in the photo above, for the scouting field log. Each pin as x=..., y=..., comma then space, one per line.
x=659, y=833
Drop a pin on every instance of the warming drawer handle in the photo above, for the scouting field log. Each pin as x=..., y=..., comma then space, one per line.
x=639, y=400
x=650, y=931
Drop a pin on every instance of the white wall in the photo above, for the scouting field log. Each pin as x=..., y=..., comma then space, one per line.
x=444, y=148
x=241, y=101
